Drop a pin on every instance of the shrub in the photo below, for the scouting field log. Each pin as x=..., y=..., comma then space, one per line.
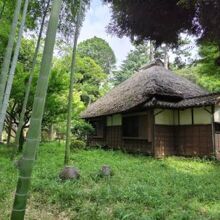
x=77, y=144
x=82, y=129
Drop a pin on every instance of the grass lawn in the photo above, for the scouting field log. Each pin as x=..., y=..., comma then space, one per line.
x=141, y=187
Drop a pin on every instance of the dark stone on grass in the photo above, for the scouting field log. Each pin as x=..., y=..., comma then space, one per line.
x=69, y=173
x=106, y=170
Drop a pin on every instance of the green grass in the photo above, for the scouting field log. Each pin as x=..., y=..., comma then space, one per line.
x=141, y=187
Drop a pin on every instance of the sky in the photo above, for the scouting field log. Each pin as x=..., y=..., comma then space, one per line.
x=96, y=21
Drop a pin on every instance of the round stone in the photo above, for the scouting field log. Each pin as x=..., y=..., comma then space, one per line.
x=106, y=170
x=69, y=173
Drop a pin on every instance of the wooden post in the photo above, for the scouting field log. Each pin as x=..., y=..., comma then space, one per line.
x=213, y=132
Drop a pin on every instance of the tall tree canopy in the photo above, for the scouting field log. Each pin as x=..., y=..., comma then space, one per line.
x=208, y=69
x=163, y=21
x=134, y=60
x=100, y=51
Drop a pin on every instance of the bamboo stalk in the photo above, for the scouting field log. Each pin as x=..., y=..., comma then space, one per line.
x=12, y=70
x=8, y=52
x=33, y=139
x=70, y=97
x=28, y=88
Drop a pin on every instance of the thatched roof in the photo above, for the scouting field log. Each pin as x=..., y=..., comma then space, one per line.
x=204, y=100
x=150, y=81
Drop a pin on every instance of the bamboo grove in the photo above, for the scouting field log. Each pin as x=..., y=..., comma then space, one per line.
x=51, y=9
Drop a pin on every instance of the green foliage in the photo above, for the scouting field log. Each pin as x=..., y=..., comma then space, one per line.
x=205, y=71
x=89, y=78
x=135, y=59
x=163, y=21
x=90, y=83
x=81, y=128
x=208, y=67
x=141, y=187
x=151, y=19
x=100, y=51
x=77, y=144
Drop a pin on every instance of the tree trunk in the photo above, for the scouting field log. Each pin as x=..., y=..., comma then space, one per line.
x=51, y=132
x=33, y=138
x=8, y=53
x=9, y=132
x=28, y=87
x=12, y=70
x=70, y=98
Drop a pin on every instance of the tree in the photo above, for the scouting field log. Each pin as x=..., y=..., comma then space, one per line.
x=33, y=139
x=207, y=68
x=157, y=20
x=163, y=21
x=100, y=51
x=12, y=69
x=134, y=60
x=205, y=71
x=89, y=79
x=28, y=88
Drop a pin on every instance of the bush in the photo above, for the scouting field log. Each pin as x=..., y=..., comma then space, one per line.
x=82, y=129
x=77, y=144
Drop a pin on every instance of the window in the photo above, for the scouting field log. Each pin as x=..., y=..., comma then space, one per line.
x=130, y=126
x=136, y=126
x=217, y=127
x=114, y=120
x=98, y=126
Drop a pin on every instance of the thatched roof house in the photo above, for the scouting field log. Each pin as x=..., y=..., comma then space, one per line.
x=148, y=111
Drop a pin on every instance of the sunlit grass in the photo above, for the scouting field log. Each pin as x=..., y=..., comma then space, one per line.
x=141, y=187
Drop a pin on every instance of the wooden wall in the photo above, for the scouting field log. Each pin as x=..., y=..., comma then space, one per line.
x=113, y=139
x=185, y=140
x=164, y=140
x=194, y=140
x=217, y=145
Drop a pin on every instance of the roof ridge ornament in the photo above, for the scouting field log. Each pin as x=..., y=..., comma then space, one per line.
x=156, y=62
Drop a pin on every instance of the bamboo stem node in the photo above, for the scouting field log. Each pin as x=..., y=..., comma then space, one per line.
x=18, y=210
x=29, y=159
x=19, y=194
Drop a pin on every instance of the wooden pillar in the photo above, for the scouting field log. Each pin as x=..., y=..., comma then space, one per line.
x=213, y=133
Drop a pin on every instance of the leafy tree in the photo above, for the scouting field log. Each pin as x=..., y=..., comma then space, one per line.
x=100, y=51
x=163, y=21
x=7, y=8
x=208, y=67
x=135, y=59
x=206, y=70
x=157, y=20
x=89, y=79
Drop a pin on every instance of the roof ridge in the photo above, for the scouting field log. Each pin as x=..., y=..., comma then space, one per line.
x=156, y=62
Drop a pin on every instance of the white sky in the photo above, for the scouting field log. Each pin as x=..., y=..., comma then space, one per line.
x=97, y=19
